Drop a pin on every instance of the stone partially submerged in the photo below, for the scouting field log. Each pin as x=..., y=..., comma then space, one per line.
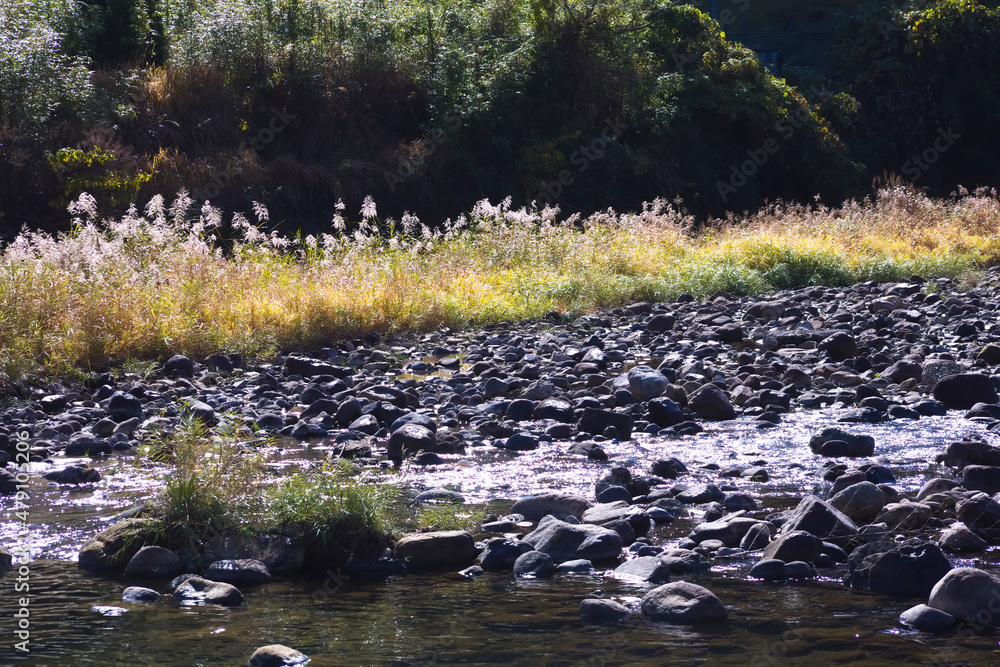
x=565, y=541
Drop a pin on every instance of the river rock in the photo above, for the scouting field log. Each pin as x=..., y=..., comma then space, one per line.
x=711, y=402
x=122, y=406
x=861, y=502
x=114, y=547
x=409, y=439
x=818, y=517
x=839, y=346
x=970, y=452
x=769, y=569
x=153, y=562
x=646, y=383
x=534, y=565
x=908, y=569
x=927, y=619
x=605, y=612
x=277, y=655
x=981, y=478
x=559, y=505
x=982, y=515
x=856, y=445
x=683, y=561
x=447, y=548
x=962, y=391
x=239, y=572
x=758, y=537
x=683, y=603
x=278, y=553
x=73, y=474
x=646, y=569
x=140, y=594
x=968, y=594
x=794, y=545
x=604, y=512
x=500, y=553
x=664, y=412
x=935, y=485
x=564, y=541
x=696, y=494
x=959, y=539
x=198, y=590
x=578, y=566
x=729, y=530
x=597, y=421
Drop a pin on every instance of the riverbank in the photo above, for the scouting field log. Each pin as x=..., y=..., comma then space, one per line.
x=692, y=431
x=124, y=293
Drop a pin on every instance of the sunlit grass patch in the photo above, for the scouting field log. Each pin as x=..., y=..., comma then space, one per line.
x=160, y=282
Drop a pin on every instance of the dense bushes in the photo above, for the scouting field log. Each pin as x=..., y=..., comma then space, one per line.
x=925, y=76
x=429, y=106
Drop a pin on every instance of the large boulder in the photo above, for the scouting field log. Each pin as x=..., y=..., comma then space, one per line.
x=909, y=569
x=970, y=452
x=793, y=546
x=711, y=402
x=968, y=594
x=981, y=478
x=441, y=549
x=818, y=517
x=409, y=439
x=962, y=391
x=152, y=563
x=559, y=505
x=982, y=516
x=113, y=548
x=565, y=541
x=860, y=502
x=683, y=603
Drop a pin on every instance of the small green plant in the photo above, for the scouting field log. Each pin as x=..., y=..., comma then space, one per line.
x=213, y=487
x=334, y=510
x=450, y=517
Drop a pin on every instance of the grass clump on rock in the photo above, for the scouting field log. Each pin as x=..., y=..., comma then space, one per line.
x=219, y=486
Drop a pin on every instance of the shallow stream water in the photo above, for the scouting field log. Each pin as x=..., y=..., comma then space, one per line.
x=80, y=619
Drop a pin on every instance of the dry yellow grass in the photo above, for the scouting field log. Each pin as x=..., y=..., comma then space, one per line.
x=157, y=283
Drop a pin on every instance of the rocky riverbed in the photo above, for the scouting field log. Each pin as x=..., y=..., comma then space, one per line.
x=657, y=466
